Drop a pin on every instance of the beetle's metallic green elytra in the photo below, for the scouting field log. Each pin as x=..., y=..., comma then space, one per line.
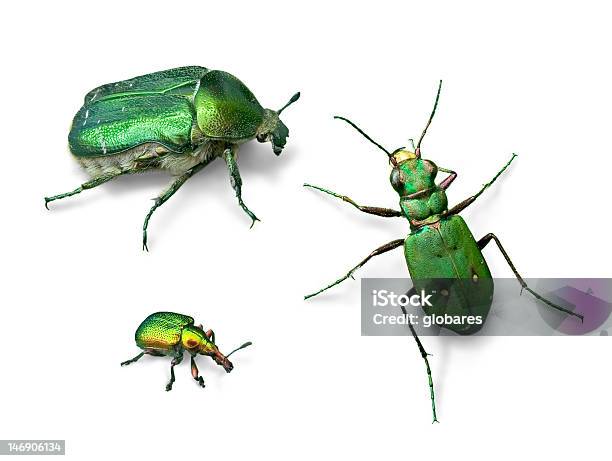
x=177, y=120
x=171, y=334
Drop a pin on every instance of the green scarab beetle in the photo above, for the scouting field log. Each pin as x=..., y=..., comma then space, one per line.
x=171, y=334
x=177, y=120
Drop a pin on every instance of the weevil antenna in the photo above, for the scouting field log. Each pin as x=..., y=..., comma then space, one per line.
x=433, y=112
x=364, y=135
x=247, y=344
x=294, y=98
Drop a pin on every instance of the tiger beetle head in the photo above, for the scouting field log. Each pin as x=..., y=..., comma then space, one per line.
x=273, y=129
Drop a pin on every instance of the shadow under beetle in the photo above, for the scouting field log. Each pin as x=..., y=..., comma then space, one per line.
x=440, y=246
x=171, y=334
x=177, y=120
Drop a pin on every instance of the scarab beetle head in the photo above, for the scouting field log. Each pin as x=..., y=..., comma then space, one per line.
x=273, y=129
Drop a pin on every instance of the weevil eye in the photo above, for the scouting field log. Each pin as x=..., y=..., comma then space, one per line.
x=261, y=137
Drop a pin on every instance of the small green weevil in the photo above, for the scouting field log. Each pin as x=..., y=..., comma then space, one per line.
x=177, y=120
x=171, y=334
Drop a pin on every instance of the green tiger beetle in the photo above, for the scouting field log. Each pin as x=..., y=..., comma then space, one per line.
x=440, y=246
x=171, y=334
x=178, y=120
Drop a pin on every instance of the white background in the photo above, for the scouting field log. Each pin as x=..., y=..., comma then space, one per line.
x=527, y=77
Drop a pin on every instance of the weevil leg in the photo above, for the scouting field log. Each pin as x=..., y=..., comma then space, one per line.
x=175, y=361
x=195, y=373
x=146, y=352
x=378, y=211
x=378, y=251
x=424, y=354
x=169, y=192
x=236, y=181
x=95, y=182
x=211, y=335
x=135, y=359
x=468, y=201
x=483, y=243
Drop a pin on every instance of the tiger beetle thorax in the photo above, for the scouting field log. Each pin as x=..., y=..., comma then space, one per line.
x=421, y=199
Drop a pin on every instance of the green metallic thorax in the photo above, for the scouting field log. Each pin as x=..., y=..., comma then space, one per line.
x=440, y=247
x=167, y=332
x=177, y=109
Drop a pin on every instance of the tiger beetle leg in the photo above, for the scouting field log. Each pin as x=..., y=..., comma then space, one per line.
x=170, y=191
x=378, y=211
x=483, y=243
x=467, y=202
x=86, y=185
x=135, y=359
x=378, y=251
x=446, y=182
x=236, y=181
x=175, y=361
x=424, y=354
x=195, y=373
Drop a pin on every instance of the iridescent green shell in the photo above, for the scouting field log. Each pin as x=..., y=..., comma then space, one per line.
x=167, y=108
x=162, y=330
x=447, y=250
x=226, y=108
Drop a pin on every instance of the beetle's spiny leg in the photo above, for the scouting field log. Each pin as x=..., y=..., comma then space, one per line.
x=486, y=239
x=424, y=354
x=378, y=251
x=467, y=202
x=378, y=211
x=86, y=185
x=236, y=182
x=170, y=191
x=135, y=359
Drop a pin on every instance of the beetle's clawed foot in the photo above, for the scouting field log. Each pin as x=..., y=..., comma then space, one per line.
x=168, y=387
x=200, y=381
x=253, y=220
x=144, y=242
x=47, y=200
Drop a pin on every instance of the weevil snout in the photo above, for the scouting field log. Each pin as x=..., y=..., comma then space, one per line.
x=222, y=360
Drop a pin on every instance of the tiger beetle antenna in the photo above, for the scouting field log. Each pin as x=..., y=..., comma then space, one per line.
x=294, y=98
x=247, y=344
x=365, y=135
x=433, y=112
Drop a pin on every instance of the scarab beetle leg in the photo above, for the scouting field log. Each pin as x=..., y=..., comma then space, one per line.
x=483, y=243
x=159, y=201
x=86, y=185
x=175, y=361
x=468, y=201
x=378, y=251
x=378, y=211
x=195, y=373
x=424, y=354
x=236, y=181
x=211, y=335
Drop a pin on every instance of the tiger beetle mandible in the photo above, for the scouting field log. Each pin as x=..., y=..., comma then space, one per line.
x=440, y=246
